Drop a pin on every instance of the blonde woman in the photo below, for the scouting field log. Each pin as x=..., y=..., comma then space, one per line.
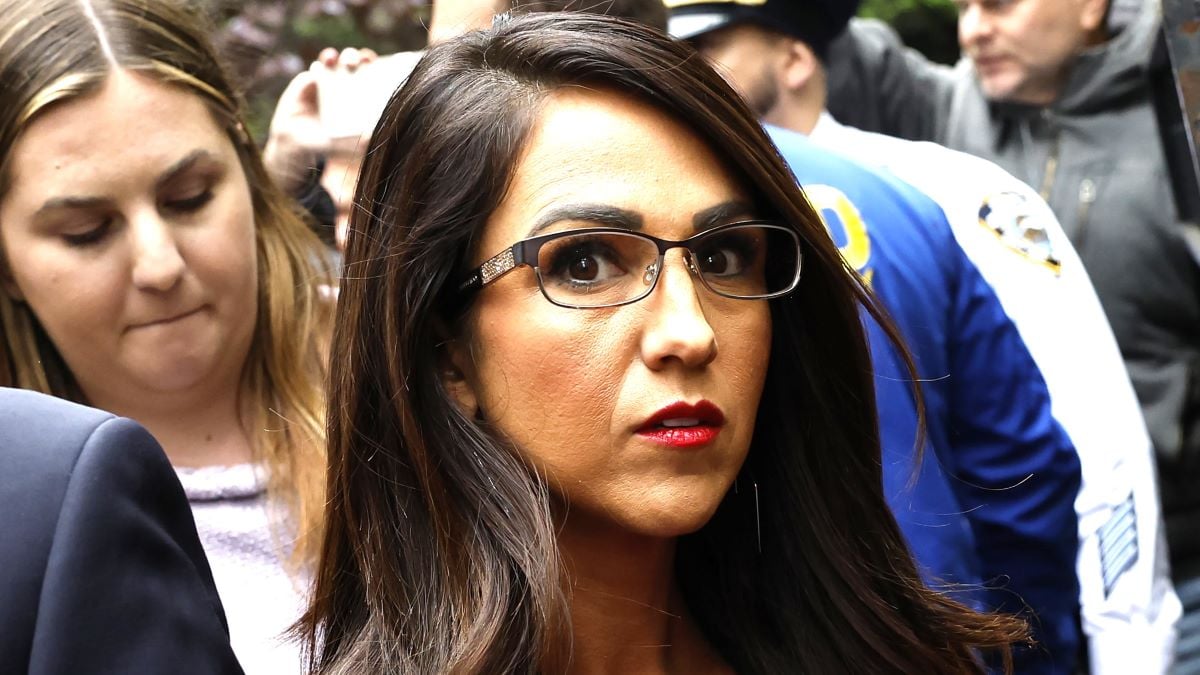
x=149, y=267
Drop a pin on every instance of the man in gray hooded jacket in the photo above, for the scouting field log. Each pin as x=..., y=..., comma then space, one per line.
x=1060, y=97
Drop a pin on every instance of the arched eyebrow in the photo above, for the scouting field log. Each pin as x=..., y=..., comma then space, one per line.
x=181, y=167
x=56, y=203
x=613, y=216
x=75, y=202
x=600, y=214
x=721, y=214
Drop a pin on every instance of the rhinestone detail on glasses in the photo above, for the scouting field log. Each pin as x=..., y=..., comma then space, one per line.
x=497, y=266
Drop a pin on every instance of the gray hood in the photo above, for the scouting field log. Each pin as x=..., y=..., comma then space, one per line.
x=1117, y=69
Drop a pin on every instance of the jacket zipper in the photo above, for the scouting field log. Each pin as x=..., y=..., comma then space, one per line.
x=1087, y=192
x=1087, y=197
x=1051, y=170
x=1087, y=188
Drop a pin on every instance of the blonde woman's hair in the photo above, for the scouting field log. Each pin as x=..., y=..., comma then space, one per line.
x=58, y=50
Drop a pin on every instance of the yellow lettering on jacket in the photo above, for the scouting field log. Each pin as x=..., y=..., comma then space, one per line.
x=845, y=224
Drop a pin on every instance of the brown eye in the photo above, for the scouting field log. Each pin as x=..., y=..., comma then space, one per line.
x=715, y=262
x=584, y=269
x=728, y=254
x=587, y=261
x=582, y=260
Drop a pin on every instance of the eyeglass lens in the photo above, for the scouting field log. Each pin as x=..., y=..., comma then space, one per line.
x=596, y=269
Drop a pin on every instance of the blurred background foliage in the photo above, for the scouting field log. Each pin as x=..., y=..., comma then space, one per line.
x=267, y=42
x=890, y=9
x=929, y=26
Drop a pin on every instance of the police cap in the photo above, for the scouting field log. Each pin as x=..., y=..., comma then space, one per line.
x=815, y=22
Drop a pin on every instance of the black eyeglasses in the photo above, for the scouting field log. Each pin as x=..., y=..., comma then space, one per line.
x=609, y=267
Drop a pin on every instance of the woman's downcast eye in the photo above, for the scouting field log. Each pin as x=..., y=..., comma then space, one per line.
x=90, y=236
x=189, y=204
x=94, y=235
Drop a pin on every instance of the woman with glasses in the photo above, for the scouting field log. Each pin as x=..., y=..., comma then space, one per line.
x=149, y=267
x=600, y=394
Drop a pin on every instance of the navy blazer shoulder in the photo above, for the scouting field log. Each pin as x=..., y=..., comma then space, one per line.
x=101, y=569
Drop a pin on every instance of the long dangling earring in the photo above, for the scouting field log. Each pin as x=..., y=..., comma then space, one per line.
x=757, y=520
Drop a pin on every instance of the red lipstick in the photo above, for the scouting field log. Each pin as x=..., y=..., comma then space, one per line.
x=684, y=425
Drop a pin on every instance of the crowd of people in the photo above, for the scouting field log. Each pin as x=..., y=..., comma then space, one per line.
x=626, y=336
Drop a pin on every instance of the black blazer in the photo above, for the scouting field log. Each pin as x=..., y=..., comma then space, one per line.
x=101, y=570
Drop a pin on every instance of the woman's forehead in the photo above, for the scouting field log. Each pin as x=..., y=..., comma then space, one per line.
x=129, y=129
x=600, y=147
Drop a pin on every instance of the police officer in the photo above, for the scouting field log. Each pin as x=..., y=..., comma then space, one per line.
x=774, y=52
x=1008, y=468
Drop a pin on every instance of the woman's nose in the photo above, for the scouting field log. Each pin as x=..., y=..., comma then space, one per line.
x=677, y=329
x=157, y=262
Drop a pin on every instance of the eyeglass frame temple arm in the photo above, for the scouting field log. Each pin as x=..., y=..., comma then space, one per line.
x=495, y=267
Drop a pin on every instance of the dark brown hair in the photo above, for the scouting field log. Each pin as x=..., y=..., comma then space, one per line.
x=440, y=553
x=649, y=12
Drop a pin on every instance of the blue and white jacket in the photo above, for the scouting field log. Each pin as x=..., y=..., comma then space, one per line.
x=993, y=496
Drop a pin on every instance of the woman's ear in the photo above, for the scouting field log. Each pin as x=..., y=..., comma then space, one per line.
x=454, y=370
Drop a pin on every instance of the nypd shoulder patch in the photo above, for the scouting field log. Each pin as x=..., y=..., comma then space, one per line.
x=1010, y=217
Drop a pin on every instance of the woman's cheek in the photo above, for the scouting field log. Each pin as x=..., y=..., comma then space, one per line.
x=746, y=346
x=552, y=385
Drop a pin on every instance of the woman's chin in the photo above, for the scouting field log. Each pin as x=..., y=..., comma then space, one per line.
x=648, y=517
x=174, y=377
x=672, y=520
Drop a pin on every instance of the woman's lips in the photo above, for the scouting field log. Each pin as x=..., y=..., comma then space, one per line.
x=683, y=425
x=681, y=437
x=167, y=320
